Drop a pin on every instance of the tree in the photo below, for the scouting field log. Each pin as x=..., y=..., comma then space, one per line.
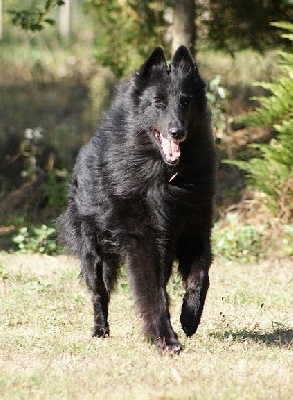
x=127, y=29
x=130, y=29
x=65, y=19
x=184, y=30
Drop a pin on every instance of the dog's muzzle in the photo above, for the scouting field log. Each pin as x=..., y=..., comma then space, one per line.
x=170, y=148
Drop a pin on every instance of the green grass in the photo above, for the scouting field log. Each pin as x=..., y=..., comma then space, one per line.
x=243, y=348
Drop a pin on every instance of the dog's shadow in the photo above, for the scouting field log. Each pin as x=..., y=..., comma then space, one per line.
x=278, y=337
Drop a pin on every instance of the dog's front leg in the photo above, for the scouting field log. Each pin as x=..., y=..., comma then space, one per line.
x=194, y=267
x=149, y=281
x=92, y=272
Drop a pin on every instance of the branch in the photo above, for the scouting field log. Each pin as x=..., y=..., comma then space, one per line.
x=35, y=19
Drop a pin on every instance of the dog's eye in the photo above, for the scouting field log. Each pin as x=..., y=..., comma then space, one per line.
x=184, y=101
x=159, y=103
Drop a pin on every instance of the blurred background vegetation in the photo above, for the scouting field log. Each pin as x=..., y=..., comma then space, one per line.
x=59, y=62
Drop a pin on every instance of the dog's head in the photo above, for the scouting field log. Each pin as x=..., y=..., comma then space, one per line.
x=166, y=96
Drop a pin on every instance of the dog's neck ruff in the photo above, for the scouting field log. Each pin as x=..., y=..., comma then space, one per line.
x=181, y=182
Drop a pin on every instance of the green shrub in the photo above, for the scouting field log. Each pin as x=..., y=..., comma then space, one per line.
x=234, y=240
x=237, y=241
x=271, y=174
x=55, y=190
x=37, y=240
x=216, y=95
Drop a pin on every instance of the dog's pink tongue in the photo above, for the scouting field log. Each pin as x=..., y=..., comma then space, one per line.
x=171, y=149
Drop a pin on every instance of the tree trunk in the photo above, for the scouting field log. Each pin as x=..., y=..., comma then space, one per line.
x=184, y=29
x=1, y=32
x=65, y=19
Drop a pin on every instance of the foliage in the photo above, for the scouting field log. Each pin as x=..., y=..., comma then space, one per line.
x=272, y=173
x=236, y=241
x=216, y=95
x=55, y=190
x=287, y=240
x=37, y=240
x=233, y=25
x=129, y=30
x=34, y=19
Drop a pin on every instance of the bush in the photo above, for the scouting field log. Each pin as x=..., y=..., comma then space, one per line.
x=271, y=174
x=55, y=190
x=236, y=241
x=37, y=240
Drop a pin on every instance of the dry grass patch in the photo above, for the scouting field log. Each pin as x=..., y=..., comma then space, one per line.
x=243, y=348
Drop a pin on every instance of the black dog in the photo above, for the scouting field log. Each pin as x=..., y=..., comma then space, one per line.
x=142, y=190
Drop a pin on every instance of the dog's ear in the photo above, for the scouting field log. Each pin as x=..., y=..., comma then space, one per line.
x=155, y=62
x=182, y=59
x=156, y=59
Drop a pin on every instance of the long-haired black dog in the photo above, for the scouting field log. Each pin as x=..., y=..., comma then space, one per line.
x=142, y=191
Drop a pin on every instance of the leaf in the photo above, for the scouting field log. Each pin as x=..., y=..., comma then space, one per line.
x=38, y=27
x=124, y=287
x=50, y=21
x=48, y=5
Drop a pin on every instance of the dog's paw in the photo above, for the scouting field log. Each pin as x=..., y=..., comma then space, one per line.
x=170, y=347
x=101, y=332
x=189, y=327
x=189, y=319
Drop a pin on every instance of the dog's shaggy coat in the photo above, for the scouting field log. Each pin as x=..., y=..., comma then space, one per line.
x=142, y=191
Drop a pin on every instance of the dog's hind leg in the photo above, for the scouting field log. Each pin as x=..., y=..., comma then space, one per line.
x=100, y=272
x=194, y=262
x=149, y=274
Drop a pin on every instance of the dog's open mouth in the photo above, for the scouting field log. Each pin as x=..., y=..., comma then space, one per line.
x=169, y=148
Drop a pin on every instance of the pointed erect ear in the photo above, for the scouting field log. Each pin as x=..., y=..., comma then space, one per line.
x=182, y=59
x=156, y=59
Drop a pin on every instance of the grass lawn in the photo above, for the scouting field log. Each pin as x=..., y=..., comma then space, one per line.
x=242, y=350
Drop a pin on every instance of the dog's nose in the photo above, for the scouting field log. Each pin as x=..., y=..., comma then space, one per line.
x=176, y=132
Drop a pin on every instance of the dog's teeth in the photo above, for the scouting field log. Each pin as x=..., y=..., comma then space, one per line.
x=157, y=135
x=171, y=149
